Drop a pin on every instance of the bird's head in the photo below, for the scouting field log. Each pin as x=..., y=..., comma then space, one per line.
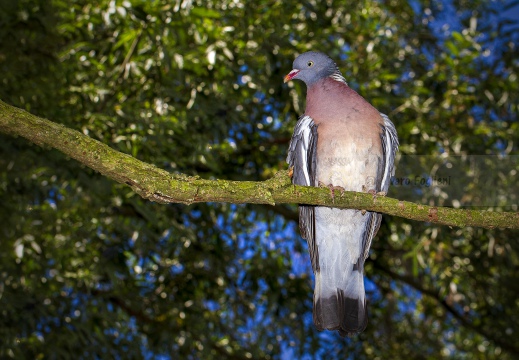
x=312, y=66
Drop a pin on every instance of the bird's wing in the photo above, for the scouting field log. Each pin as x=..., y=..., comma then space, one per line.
x=302, y=157
x=389, y=148
x=389, y=140
x=301, y=151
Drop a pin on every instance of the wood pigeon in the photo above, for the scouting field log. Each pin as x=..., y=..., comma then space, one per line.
x=341, y=141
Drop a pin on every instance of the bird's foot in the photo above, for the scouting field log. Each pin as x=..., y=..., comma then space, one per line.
x=372, y=192
x=332, y=189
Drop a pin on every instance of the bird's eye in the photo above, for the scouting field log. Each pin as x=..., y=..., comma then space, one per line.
x=310, y=63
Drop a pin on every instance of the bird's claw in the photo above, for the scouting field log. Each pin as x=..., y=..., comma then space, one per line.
x=332, y=189
x=373, y=192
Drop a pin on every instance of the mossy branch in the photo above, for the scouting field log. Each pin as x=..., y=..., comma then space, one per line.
x=158, y=185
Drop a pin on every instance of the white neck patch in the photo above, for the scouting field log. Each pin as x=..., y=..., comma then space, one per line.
x=338, y=77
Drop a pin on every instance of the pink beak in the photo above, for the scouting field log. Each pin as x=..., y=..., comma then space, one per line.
x=291, y=75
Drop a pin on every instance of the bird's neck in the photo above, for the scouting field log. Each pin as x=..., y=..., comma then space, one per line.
x=337, y=76
x=323, y=89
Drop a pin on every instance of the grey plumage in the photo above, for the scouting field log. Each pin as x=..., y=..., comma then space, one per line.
x=341, y=140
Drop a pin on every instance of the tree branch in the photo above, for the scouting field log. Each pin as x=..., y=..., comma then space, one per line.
x=160, y=186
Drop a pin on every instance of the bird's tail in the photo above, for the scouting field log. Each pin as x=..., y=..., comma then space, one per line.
x=341, y=308
x=339, y=296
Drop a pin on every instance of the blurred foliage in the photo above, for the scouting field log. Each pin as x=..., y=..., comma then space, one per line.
x=90, y=270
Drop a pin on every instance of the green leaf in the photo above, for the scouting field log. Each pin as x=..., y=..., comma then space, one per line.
x=205, y=13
